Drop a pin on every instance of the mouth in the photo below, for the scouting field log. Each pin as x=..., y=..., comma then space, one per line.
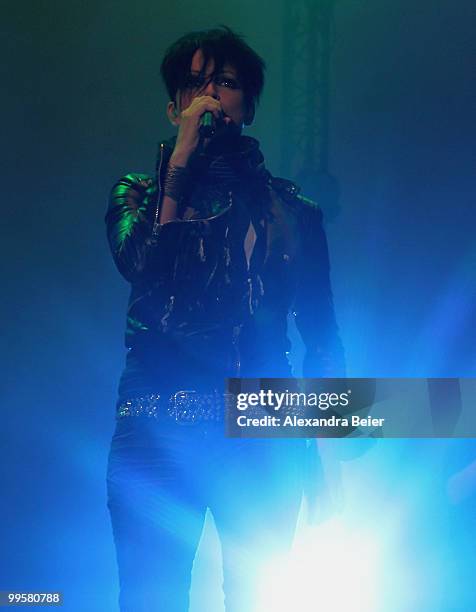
x=224, y=125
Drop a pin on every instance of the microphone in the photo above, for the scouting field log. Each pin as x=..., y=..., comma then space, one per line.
x=207, y=125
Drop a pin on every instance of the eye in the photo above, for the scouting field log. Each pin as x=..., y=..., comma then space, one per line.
x=229, y=82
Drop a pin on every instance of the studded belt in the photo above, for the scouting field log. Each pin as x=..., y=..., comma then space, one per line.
x=185, y=407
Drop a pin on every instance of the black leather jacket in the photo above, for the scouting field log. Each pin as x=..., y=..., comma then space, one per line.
x=211, y=294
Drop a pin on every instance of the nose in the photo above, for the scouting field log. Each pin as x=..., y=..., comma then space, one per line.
x=211, y=90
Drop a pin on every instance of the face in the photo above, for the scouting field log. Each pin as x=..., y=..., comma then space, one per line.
x=224, y=86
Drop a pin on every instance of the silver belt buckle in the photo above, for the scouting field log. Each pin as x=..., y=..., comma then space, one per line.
x=191, y=407
x=183, y=407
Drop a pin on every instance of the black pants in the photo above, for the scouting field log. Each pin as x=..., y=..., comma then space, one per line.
x=161, y=479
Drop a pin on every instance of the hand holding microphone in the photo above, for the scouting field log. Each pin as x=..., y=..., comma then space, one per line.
x=202, y=114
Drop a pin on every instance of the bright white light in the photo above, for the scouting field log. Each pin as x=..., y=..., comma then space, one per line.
x=331, y=568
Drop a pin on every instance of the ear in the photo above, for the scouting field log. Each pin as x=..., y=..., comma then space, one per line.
x=172, y=113
x=249, y=114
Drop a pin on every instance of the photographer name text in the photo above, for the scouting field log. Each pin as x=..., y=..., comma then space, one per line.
x=295, y=421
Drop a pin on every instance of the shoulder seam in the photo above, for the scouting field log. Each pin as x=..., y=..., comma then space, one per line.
x=291, y=194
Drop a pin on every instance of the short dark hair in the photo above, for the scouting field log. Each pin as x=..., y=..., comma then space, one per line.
x=223, y=46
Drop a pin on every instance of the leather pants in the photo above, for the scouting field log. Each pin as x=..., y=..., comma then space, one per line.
x=162, y=477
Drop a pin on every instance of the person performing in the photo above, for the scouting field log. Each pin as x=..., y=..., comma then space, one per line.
x=218, y=252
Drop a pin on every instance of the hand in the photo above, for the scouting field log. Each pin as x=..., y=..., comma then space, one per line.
x=188, y=135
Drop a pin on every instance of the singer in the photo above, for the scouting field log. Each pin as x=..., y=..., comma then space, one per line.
x=218, y=252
